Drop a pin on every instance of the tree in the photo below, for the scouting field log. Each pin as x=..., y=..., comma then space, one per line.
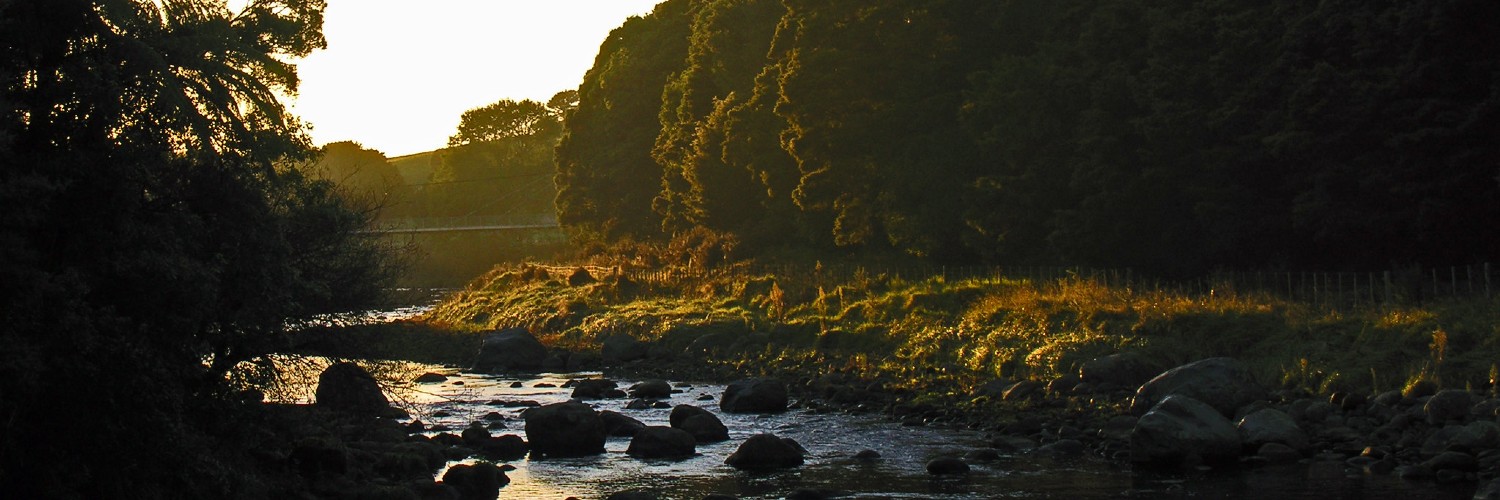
x=606, y=178
x=154, y=234
x=504, y=119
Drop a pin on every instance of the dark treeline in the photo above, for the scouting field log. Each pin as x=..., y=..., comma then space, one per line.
x=1168, y=136
x=157, y=240
x=499, y=162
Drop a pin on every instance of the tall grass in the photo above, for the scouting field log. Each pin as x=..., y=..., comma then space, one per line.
x=921, y=331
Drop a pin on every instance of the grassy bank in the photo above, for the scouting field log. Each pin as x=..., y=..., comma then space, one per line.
x=948, y=336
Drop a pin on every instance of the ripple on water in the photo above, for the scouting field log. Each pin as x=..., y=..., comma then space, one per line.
x=832, y=440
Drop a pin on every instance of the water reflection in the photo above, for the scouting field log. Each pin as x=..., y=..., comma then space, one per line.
x=832, y=440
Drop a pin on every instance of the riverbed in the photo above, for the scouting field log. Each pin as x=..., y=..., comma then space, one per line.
x=832, y=439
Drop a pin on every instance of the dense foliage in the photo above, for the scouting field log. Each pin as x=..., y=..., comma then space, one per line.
x=154, y=237
x=1172, y=136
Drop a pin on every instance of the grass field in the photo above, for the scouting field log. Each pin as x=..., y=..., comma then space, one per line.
x=955, y=334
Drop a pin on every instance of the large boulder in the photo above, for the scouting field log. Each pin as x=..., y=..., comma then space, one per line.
x=702, y=424
x=662, y=442
x=755, y=395
x=510, y=350
x=1126, y=369
x=1448, y=405
x=565, y=430
x=1270, y=425
x=1223, y=383
x=1183, y=430
x=1472, y=438
x=766, y=451
x=623, y=348
x=349, y=388
x=619, y=424
x=477, y=481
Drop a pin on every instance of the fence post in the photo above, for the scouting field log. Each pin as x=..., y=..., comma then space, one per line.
x=1387, y=279
x=1434, y=283
x=1486, y=280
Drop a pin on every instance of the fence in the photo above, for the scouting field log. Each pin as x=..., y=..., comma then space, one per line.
x=469, y=222
x=1332, y=289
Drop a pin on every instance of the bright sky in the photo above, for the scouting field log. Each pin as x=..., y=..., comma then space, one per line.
x=397, y=74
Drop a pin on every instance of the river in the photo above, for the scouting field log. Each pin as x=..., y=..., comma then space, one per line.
x=833, y=438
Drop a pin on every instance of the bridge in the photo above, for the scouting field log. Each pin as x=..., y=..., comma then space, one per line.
x=464, y=223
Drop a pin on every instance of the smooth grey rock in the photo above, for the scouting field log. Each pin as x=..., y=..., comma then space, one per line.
x=1181, y=429
x=1448, y=405
x=1271, y=426
x=1222, y=383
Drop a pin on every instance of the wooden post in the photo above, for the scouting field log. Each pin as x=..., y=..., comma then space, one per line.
x=1387, y=279
x=1453, y=279
x=1486, y=280
x=1434, y=283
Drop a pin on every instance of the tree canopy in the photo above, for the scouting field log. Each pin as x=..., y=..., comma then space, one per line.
x=1174, y=137
x=154, y=234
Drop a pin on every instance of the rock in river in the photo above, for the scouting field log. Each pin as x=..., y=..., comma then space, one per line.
x=347, y=387
x=478, y=481
x=620, y=425
x=766, y=451
x=662, y=442
x=651, y=389
x=702, y=424
x=755, y=395
x=512, y=349
x=943, y=466
x=596, y=389
x=565, y=430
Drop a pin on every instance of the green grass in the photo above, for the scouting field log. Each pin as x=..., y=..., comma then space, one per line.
x=950, y=335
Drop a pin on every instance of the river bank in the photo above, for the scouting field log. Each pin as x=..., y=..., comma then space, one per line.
x=1004, y=357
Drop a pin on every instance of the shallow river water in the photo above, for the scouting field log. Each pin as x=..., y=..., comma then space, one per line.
x=832, y=440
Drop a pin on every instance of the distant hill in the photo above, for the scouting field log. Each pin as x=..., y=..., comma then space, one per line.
x=417, y=168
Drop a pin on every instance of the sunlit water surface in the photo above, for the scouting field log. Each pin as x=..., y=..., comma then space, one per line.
x=832, y=440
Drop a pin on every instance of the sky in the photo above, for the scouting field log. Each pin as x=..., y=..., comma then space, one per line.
x=398, y=74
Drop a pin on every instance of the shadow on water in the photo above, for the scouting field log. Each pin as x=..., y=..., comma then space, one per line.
x=832, y=440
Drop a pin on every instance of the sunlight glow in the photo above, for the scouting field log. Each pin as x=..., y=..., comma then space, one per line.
x=398, y=74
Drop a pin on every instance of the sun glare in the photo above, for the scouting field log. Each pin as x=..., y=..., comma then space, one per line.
x=397, y=74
